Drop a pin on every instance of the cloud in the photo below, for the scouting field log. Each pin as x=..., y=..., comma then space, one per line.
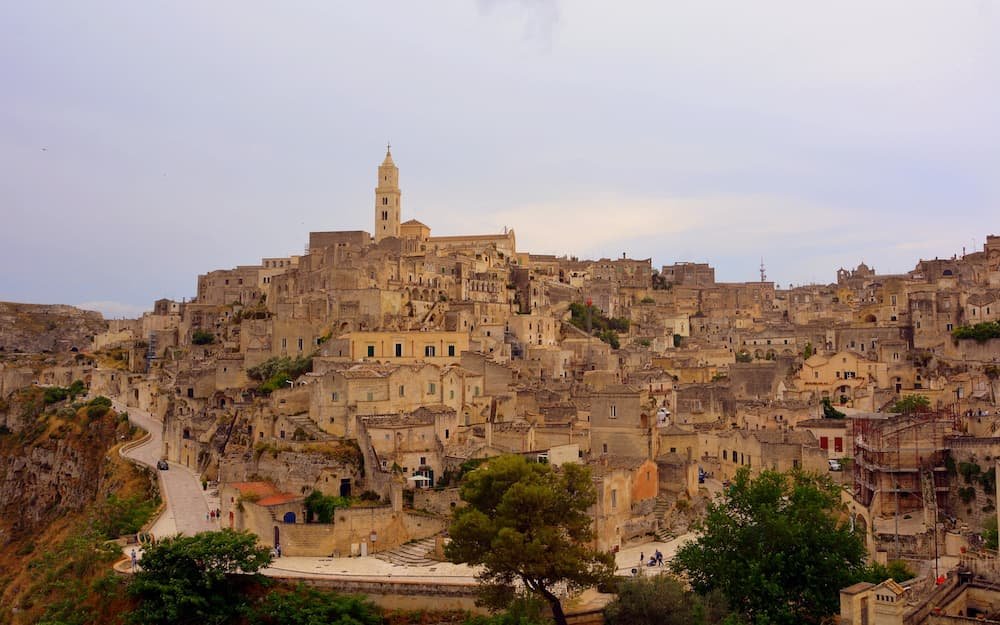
x=113, y=310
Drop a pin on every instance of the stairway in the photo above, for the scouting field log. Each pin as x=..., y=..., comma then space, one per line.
x=410, y=554
x=659, y=510
x=313, y=433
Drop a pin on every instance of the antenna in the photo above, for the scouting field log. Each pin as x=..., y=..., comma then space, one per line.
x=763, y=273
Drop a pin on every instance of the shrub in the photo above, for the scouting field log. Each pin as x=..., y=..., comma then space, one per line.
x=306, y=606
x=202, y=337
x=981, y=332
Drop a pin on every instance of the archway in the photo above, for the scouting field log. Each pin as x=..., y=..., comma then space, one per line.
x=870, y=319
x=288, y=518
x=277, y=536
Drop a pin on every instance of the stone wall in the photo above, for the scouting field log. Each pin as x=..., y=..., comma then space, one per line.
x=440, y=502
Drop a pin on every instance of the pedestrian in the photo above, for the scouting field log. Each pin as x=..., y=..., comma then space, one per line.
x=642, y=558
x=206, y=516
x=277, y=549
x=218, y=513
x=659, y=558
x=134, y=559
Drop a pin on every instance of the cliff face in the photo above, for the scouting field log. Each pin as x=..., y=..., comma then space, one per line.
x=51, y=461
x=37, y=328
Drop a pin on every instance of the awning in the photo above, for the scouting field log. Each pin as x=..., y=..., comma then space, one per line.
x=419, y=478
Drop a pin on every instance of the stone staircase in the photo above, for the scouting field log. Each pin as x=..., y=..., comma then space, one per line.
x=410, y=554
x=659, y=510
x=313, y=433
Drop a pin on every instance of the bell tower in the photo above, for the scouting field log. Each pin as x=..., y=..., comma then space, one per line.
x=387, y=199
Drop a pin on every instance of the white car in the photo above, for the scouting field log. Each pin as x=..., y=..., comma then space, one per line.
x=835, y=465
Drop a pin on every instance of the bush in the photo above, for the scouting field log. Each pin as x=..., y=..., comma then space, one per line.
x=912, y=403
x=202, y=337
x=275, y=372
x=829, y=412
x=320, y=508
x=309, y=606
x=119, y=516
x=98, y=407
x=981, y=332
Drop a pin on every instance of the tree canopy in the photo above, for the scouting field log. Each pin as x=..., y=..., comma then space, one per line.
x=527, y=522
x=775, y=548
x=192, y=579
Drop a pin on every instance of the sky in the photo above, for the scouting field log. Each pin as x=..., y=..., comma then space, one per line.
x=144, y=143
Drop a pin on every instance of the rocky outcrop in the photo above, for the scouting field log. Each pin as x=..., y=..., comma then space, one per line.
x=52, y=464
x=35, y=328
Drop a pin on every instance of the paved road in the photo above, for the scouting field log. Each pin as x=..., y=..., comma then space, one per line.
x=187, y=504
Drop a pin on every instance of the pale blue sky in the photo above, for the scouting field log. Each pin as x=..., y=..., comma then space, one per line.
x=143, y=143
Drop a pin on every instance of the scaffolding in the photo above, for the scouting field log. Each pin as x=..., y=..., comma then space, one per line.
x=899, y=462
x=151, y=351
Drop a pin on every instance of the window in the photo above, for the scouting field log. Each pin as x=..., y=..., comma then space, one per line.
x=824, y=442
x=838, y=444
x=385, y=202
x=724, y=455
x=446, y=434
x=451, y=350
x=614, y=499
x=399, y=350
x=369, y=396
x=429, y=351
x=371, y=351
x=949, y=327
x=451, y=394
x=284, y=343
x=605, y=448
x=475, y=391
x=300, y=345
x=795, y=463
x=402, y=391
x=431, y=388
x=335, y=396
x=423, y=460
x=282, y=434
x=614, y=411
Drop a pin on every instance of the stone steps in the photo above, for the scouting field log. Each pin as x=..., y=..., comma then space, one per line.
x=410, y=554
x=311, y=429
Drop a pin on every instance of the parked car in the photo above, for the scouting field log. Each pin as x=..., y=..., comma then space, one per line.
x=162, y=465
x=835, y=465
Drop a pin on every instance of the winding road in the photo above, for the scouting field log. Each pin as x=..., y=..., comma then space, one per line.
x=187, y=504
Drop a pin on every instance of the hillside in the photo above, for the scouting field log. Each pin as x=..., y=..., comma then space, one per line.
x=37, y=328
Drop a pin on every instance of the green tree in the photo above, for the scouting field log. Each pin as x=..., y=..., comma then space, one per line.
x=309, y=606
x=196, y=579
x=529, y=523
x=662, y=600
x=807, y=352
x=320, y=507
x=912, y=403
x=774, y=548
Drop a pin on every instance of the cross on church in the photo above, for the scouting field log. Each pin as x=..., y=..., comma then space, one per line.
x=388, y=146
